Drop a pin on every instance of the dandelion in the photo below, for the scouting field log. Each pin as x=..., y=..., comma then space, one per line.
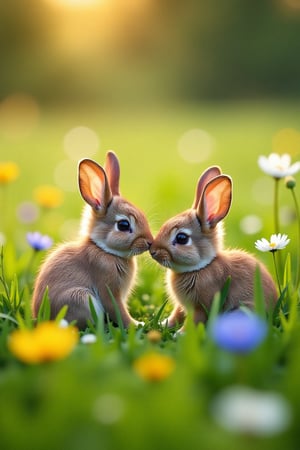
x=9, y=172
x=238, y=332
x=47, y=342
x=277, y=242
x=48, y=196
x=154, y=366
x=278, y=166
x=248, y=411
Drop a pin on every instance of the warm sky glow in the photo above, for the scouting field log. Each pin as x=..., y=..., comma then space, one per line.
x=76, y=3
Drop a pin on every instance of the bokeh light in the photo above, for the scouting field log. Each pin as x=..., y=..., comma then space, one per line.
x=27, y=212
x=77, y=4
x=251, y=224
x=262, y=191
x=65, y=175
x=196, y=145
x=81, y=142
x=69, y=229
x=19, y=115
x=108, y=408
x=286, y=140
x=2, y=238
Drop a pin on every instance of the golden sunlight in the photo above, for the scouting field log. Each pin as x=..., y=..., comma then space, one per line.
x=76, y=3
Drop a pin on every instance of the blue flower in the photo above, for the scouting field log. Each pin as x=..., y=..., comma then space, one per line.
x=39, y=241
x=238, y=332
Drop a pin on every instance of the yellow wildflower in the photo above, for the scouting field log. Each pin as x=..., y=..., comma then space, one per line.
x=9, y=171
x=154, y=336
x=154, y=366
x=47, y=342
x=48, y=196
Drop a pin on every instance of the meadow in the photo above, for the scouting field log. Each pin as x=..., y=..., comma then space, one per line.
x=147, y=387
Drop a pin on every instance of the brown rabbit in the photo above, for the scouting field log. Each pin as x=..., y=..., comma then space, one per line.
x=101, y=262
x=190, y=245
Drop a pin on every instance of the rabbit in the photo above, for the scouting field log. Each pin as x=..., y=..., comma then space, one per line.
x=190, y=246
x=101, y=262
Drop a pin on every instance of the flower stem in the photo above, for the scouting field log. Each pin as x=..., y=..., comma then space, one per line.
x=276, y=214
x=276, y=272
x=298, y=246
x=276, y=210
x=29, y=267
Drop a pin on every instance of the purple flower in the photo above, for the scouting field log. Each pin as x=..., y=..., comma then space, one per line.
x=39, y=241
x=238, y=332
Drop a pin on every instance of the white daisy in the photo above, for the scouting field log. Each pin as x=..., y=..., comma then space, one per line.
x=88, y=338
x=244, y=410
x=278, y=166
x=277, y=242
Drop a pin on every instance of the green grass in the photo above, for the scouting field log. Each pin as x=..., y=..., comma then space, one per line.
x=94, y=398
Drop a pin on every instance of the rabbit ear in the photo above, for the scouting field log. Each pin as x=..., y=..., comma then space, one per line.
x=112, y=170
x=93, y=184
x=209, y=174
x=215, y=201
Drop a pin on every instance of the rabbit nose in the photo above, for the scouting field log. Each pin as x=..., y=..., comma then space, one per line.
x=152, y=252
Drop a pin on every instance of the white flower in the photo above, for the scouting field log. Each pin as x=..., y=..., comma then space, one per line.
x=277, y=242
x=63, y=323
x=88, y=338
x=278, y=166
x=244, y=410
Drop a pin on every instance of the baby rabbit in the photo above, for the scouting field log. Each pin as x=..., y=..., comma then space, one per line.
x=190, y=246
x=101, y=262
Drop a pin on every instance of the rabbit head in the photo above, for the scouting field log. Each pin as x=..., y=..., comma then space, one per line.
x=110, y=221
x=191, y=240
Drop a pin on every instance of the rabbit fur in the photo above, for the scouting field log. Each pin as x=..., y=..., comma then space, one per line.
x=190, y=246
x=101, y=261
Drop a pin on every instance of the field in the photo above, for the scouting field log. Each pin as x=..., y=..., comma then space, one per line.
x=148, y=387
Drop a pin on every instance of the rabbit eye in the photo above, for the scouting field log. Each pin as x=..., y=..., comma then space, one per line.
x=123, y=225
x=182, y=238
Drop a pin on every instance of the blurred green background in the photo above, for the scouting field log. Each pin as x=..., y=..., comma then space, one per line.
x=171, y=86
x=100, y=51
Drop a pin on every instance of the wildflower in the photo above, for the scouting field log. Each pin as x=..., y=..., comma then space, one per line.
x=278, y=166
x=47, y=342
x=154, y=366
x=63, y=323
x=154, y=336
x=244, y=410
x=238, y=332
x=88, y=338
x=39, y=241
x=277, y=242
x=290, y=182
x=9, y=171
x=48, y=196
